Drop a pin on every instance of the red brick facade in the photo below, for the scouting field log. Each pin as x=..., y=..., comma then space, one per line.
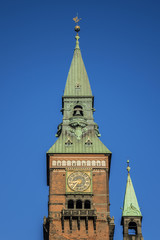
x=93, y=223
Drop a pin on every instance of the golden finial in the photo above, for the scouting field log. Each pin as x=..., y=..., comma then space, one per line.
x=128, y=167
x=76, y=20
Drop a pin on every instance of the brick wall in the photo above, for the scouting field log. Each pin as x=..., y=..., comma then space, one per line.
x=57, y=199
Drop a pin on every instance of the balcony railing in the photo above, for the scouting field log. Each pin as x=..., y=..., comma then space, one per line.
x=79, y=213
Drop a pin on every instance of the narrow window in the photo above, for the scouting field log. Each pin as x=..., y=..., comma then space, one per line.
x=58, y=163
x=98, y=163
x=70, y=204
x=79, y=204
x=87, y=204
x=88, y=163
x=83, y=163
x=103, y=163
x=73, y=163
x=78, y=163
x=93, y=163
x=63, y=163
x=68, y=163
x=53, y=163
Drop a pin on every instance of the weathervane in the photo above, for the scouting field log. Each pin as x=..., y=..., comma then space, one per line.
x=76, y=20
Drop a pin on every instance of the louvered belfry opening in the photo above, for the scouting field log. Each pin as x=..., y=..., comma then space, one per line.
x=132, y=228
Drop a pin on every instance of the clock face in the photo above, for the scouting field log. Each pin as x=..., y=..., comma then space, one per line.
x=79, y=181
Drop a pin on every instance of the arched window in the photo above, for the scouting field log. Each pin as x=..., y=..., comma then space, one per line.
x=83, y=163
x=68, y=163
x=103, y=163
x=78, y=163
x=70, y=204
x=87, y=204
x=79, y=204
x=73, y=163
x=132, y=228
x=53, y=163
x=88, y=163
x=63, y=163
x=78, y=111
x=93, y=163
x=58, y=163
x=98, y=163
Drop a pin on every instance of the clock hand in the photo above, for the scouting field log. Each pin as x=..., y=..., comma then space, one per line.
x=75, y=181
x=79, y=181
x=76, y=184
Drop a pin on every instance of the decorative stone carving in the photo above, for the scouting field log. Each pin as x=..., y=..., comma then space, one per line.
x=78, y=163
x=96, y=129
x=78, y=126
x=59, y=130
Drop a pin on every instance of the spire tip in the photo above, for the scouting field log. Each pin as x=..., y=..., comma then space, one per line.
x=128, y=167
x=76, y=20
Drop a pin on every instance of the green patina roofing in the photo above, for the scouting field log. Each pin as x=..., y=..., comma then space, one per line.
x=130, y=206
x=78, y=132
x=79, y=146
x=77, y=76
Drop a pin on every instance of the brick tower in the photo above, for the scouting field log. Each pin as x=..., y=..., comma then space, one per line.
x=78, y=166
x=131, y=216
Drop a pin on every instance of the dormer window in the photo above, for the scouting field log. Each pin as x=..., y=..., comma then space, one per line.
x=68, y=142
x=77, y=86
x=88, y=142
x=78, y=111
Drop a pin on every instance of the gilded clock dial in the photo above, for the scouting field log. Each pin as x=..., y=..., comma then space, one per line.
x=79, y=181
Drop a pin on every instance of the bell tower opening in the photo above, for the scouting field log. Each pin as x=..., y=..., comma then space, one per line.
x=78, y=111
x=132, y=228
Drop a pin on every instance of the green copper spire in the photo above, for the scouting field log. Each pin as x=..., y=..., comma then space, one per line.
x=77, y=81
x=78, y=133
x=130, y=205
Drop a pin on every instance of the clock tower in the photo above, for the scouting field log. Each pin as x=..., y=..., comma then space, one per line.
x=78, y=166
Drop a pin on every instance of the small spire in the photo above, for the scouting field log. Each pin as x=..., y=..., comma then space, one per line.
x=128, y=167
x=130, y=205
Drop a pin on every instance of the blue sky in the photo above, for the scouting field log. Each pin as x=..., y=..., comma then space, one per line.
x=120, y=45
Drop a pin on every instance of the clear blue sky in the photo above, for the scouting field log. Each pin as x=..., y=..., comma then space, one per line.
x=120, y=45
